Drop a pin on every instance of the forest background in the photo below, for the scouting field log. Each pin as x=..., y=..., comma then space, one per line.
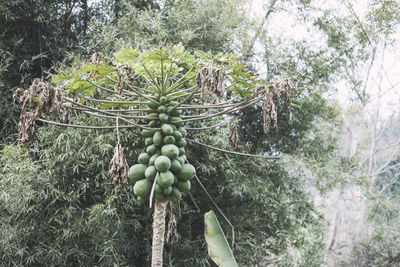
x=331, y=200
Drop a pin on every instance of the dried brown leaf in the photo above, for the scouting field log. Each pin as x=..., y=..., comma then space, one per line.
x=172, y=233
x=270, y=115
x=234, y=137
x=210, y=80
x=118, y=168
x=26, y=127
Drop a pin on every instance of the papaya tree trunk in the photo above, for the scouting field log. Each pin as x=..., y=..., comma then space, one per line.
x=160, y=207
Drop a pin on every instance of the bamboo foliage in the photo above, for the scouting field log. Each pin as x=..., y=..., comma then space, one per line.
x=124, y=88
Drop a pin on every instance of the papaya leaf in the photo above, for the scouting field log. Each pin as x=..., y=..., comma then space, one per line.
x=126, y=55
x=97, y=71
x=81, y=86
x=218, y=247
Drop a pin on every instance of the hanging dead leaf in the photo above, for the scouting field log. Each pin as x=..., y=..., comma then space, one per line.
x=26, y=127
x=96, y=58
x=209, y=79
x=270, y=115
x=118, y=168
x=121, y=85
x=234, y=137
x=67, y=112
x=172, y=233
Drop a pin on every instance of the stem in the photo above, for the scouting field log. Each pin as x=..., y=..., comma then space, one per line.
x=237, y=107
x=209, y=127
x=160, y=207
x=135, y=92
x=233, y=152
x=179, y=82
x=83, y=126
x=113, y=102
x=153, y=80
x=215, y=205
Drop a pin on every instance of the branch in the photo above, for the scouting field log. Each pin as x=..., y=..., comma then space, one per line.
x=109, y=113
x=234, y=152
x=209, y=127
x=219, y=210
x=83, y=126
x=113, y=102
x=180, y=81
x=136, y=92
x=237, y=107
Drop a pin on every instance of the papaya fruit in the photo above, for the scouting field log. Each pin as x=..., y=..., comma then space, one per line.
x=169, y=140
x=142, y=188
x=182, y=131
x=154, y=124
x=153, y=158
x=177, y=135
x=158, y=138
x=163, y=117
x=181, y=151
x=181, y=143
x=167, y=129
x=165, y=179
x=152, y=104
x=144, y=158
x=183, y=186
x=162, y=163
x=150, y=173
x=151, y=149
x=168, y=190
x=186, y=172
x=162, y=109
x=176, y=121
x=180, y=159
x=147, y=133
x=136, y=172
x=176, y=193
x=170, y=150
x=163, y=100
x=175, y=165
x=148, y=141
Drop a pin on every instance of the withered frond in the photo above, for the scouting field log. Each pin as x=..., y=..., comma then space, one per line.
x=271, y=100
x=234, y=137
x=118, y=168
x=270, y=114
x=96, y=58
x=121, y=85
x=209, y=79
x=172, y=233
x=47, y=97
x=67, y=112
x=26, y=127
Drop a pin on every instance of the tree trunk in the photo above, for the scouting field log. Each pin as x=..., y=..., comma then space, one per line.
x=160, y=207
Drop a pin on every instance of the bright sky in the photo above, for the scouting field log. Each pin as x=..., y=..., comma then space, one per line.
x=282, y=23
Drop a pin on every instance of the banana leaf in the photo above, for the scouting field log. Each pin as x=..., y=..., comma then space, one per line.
x=218, y=247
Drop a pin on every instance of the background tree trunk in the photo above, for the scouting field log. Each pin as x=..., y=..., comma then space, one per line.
x=158, y=233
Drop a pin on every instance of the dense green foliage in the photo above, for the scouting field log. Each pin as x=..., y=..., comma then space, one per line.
x=57, y=202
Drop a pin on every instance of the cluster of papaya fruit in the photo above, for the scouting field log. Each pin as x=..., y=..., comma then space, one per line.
x=164, y=158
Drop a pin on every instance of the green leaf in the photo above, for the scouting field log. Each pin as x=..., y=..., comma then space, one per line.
x=218, y=247
x=160, y=54
x=81, y=86
x=62, y=77
x=97, y=71
x=126, y=55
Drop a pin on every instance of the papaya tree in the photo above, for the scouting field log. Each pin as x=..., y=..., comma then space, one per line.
x=169, y=94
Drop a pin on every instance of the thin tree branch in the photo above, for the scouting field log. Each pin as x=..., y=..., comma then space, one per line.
x=83, y=126
x=216, y=206
x=209, y=127
x=234, y=152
